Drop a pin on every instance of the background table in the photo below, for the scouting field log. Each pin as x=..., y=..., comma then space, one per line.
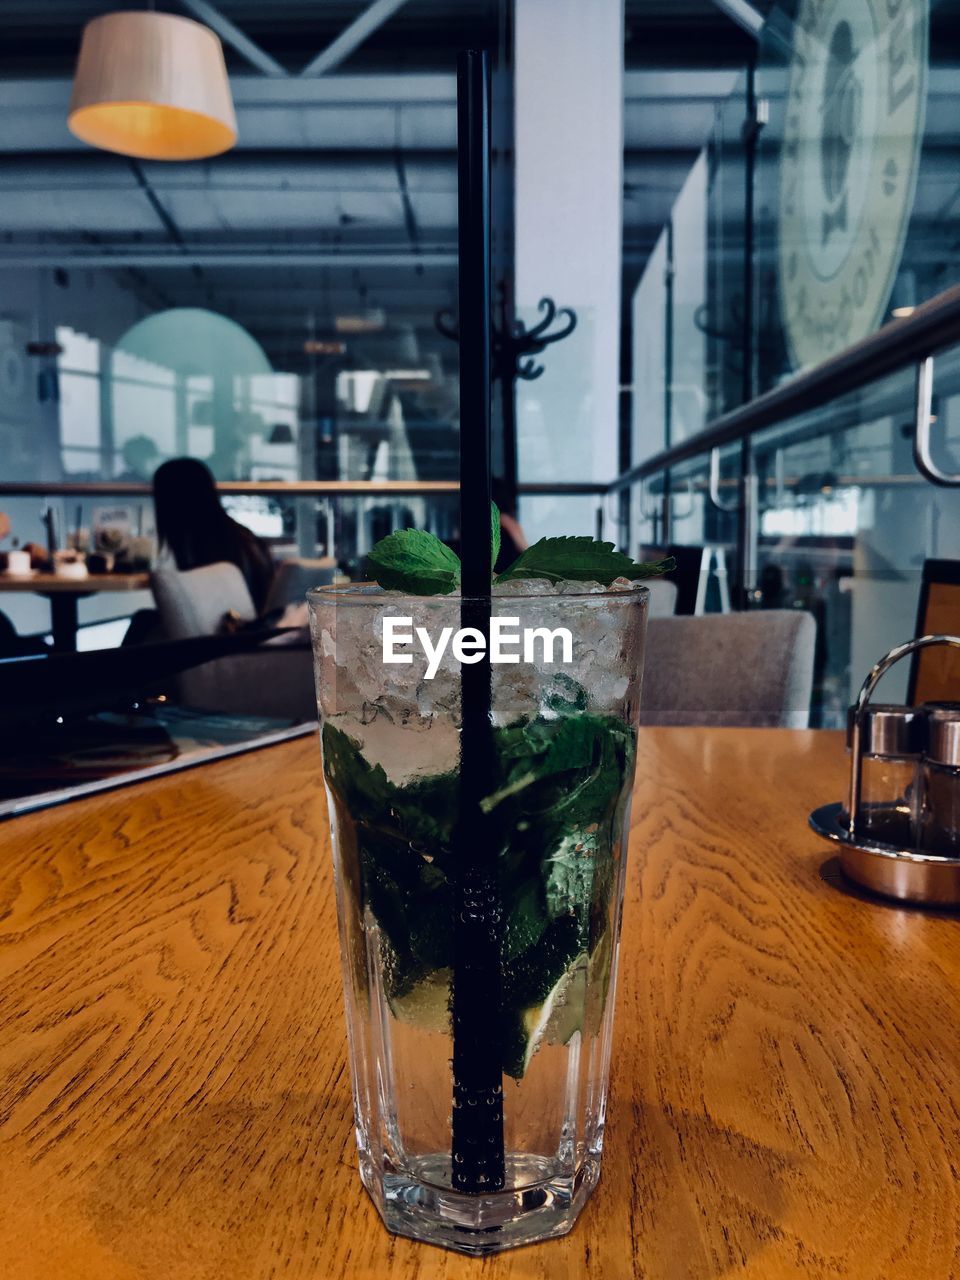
x=63, y=594
x=175, y=1103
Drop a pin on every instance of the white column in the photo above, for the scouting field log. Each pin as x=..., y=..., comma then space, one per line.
x=569, y=193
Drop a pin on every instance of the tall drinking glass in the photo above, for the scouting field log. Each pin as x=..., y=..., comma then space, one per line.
x=564, y=717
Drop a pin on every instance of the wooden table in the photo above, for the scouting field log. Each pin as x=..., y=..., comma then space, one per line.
x=175, y=1104
x=63, y=594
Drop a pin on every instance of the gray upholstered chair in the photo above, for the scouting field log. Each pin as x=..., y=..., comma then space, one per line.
x=195, y=602
x=752, y=668
x=274, y=680
x=295, y=577
x=663, y=598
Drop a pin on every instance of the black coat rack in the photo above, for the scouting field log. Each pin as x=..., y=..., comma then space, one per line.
x=513, y=358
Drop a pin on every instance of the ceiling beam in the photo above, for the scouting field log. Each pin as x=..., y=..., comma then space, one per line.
x=429, y=89
x=744, y=15
x=376, y=113
x=352, y=37
x=69, y=257
x=356, y=113
x=231, y=34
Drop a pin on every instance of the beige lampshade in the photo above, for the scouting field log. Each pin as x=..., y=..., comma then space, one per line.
x=152, y=85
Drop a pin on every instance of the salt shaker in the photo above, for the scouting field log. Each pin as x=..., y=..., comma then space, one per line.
x=891, y=743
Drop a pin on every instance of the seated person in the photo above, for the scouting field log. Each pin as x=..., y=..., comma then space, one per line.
x=194, y=529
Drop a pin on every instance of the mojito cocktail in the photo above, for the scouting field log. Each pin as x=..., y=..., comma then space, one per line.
x=563, y=724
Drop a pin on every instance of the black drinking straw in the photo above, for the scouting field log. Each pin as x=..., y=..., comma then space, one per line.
x=477, y=1148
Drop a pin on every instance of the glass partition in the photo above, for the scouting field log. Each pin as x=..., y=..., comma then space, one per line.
x=841, y=524
x=846, y=523
x=374, y=396
x=821, y=207
x=688, y=311
x=826, y=194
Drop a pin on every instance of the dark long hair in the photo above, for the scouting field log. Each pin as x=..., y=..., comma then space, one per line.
x=195, y=529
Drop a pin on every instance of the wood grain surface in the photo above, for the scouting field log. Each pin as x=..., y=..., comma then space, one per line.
x=55, y=584
x=175, y=1103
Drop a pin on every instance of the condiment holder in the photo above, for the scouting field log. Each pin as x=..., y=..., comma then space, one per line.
x=899, y=832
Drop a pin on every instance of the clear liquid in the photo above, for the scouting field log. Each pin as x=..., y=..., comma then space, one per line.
x=558, y=967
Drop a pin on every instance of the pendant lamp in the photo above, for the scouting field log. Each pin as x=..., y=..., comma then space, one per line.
x=154, y=86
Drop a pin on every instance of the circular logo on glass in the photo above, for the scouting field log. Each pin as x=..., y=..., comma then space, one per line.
x=848, y=166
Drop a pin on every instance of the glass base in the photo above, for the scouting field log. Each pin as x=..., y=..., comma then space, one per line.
x=416, y=1203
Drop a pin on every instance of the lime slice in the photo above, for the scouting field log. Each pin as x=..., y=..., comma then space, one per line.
x=427, y=1005
x=565, y=1010
x=575, y=1003
x=555, y=1021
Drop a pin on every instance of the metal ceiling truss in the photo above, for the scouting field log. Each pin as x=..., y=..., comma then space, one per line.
x=352, y=37
x=231, y=34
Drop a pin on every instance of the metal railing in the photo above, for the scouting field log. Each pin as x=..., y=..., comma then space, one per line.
x=933, y=327
x=290, y=488
x=266, y=488
x=913, y=341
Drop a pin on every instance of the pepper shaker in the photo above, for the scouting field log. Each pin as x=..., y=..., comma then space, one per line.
x=940, y=782
x=891, y=742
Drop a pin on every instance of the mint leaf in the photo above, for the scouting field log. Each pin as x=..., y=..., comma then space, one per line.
x=415, y=561
x=526, y=918
x=562, y=770
x=580, y=559
x=564, y=696
x=424, y=811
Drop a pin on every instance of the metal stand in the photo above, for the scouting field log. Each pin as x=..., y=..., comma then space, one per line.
x=911, y=875
x=713, y=560
x=64, y=620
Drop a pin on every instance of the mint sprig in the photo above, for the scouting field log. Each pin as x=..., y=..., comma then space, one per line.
x=415, y=561
x=418, y=563
x=580, y=559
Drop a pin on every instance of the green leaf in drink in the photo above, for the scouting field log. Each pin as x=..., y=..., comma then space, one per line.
x=418, y=563
x=580, y=559
x=415, y=561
